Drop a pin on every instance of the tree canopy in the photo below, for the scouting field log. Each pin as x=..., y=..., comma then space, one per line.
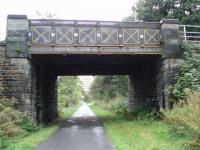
x=69, y=90
x=187, y=11
x=109, y=87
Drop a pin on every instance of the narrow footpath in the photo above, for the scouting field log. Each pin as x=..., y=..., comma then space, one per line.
x=83, y=131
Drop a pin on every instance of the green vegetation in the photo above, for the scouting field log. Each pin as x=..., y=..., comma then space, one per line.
x=69, y=91
x=30, y=141
x=109, y=87
x=184, y=118
x=187, y=11
x=138, y=134
x=182, y=123
x=190, y=72
x=111, y=93
x=17, y=131
x=12, y=122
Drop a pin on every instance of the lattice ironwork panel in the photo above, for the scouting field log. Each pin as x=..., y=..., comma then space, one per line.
x=131, y=36
x=109, y=36
x=87, y=35
x=64, y=35
x=151, y=36
x=41, y=34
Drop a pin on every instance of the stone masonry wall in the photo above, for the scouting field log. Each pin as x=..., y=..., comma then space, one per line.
x=44, y=92
x=15, y=75
x=168, y=72
x=142, y=87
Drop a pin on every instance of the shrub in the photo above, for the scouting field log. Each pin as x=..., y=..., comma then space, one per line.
x=27, y=125
x=12, y=122
x=189, y=73
x=120, y=106
x=141, y=113
x=184, y=118
x=110, y=104
x=69, y=91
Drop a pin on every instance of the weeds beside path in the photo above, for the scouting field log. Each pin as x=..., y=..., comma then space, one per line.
x=31, y=141
x=138, y=134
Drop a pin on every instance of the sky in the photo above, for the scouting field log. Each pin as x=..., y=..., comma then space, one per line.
x=113, y=10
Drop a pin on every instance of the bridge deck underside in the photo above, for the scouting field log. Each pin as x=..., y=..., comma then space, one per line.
x=94, y=64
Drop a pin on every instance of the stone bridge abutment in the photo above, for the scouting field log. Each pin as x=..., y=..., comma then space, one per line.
x=36, y=52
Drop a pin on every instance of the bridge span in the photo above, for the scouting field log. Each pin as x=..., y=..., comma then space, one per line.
x=37, y=51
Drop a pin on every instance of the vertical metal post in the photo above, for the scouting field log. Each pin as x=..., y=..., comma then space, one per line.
x=184, y=32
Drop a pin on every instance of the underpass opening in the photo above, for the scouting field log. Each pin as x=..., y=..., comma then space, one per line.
x=38, y=51
x=141, y=69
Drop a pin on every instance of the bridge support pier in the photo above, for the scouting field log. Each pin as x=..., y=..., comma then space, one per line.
x=169, y=65
x=142, y=87
x=15, y=76
x=46, y=103
x=167, y=76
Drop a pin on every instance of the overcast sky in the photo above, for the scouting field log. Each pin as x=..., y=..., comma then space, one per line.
x=66, y=9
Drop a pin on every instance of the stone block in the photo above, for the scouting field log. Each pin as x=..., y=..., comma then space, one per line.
x=16, y=49
x=16, y=39
x=170, y=37
x=17, y=24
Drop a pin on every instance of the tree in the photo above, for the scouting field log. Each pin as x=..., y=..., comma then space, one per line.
x=46, y=15
x=187, y=11
x=69, y=90
x=133, y=16
x=109, y=87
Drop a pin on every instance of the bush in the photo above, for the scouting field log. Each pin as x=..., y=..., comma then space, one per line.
x=136, y=113
x=69, y=91
x=110, y=104
x=12, y=122
x=190, y=72
x=120, y=106
x=109, y=87
x=184, y=118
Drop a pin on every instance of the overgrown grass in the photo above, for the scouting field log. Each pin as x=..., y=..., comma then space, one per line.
x=29, y=142
x=184, y=118
x=138, y=134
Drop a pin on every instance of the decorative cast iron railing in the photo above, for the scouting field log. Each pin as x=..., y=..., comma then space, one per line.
x=72, y=33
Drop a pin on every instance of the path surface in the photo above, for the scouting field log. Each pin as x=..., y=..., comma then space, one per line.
x=82, y=132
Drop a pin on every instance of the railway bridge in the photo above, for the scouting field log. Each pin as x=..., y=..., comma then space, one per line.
x=37, y=51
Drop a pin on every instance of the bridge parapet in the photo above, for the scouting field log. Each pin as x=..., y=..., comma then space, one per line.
x=73, y=36
x=94, y=33
x=40, y=36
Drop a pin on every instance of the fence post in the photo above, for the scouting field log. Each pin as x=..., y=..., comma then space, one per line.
x=184, y=30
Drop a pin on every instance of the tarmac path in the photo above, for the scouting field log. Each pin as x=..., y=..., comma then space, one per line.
x=83, y=131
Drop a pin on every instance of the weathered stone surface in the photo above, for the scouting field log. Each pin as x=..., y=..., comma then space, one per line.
x=170, y=35
x=167, y=73
x=17, y=24
x=46, y=95
x=142, y=87
x=17, y=36
x=15, y=75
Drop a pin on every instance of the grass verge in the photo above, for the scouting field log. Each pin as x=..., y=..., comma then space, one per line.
x=138, y=134
x=24, y=142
